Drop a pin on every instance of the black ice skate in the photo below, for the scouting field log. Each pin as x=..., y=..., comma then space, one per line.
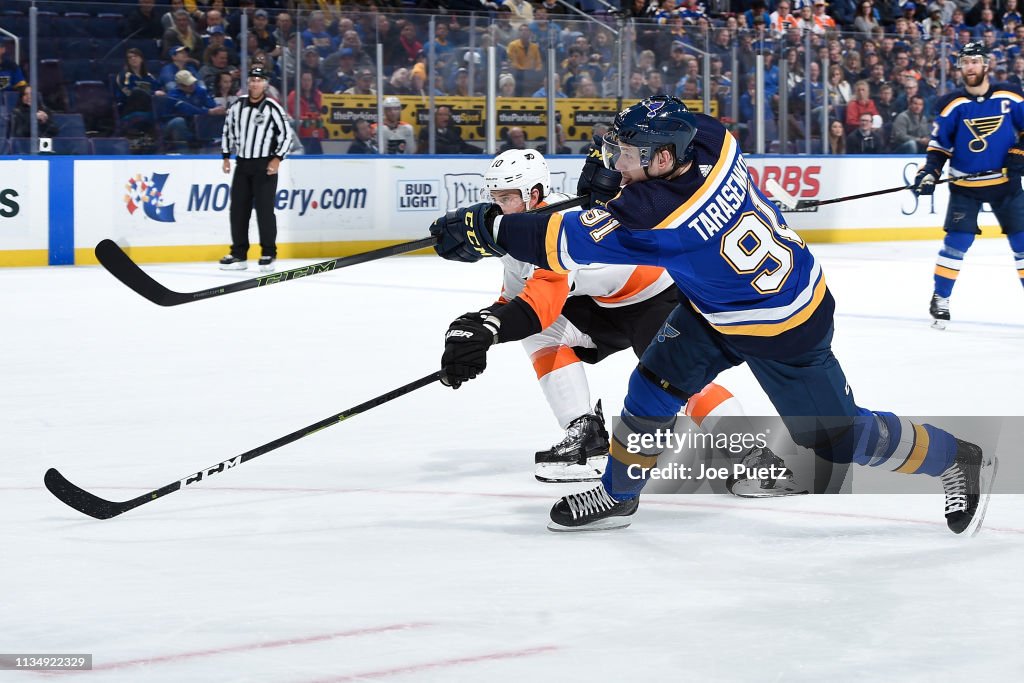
x=230, y=262
x=762, y=474
x=581, y=456
x=939, y=309
x=592, y=510
x=968, y=485
x=267, y=264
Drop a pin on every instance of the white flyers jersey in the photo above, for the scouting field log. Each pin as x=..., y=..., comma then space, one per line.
x=609, y=285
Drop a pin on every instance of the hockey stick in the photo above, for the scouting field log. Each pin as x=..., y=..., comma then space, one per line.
x=94, y=506
x=121, y=266
x=791, y=202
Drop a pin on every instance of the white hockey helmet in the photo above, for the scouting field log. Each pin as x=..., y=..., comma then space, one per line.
x=519, y=169
x=391, y=102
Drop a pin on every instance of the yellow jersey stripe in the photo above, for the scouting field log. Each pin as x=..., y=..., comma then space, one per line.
x=551, y=240
x=918, y=453
x=622, y=454
x=953, y=105
x=949, y=273
x=771, y=329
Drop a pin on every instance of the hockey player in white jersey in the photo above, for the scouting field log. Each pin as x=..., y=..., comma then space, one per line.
x=564, y=320
x=399, y=137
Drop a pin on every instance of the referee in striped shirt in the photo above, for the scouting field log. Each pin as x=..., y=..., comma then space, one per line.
x=257, y=130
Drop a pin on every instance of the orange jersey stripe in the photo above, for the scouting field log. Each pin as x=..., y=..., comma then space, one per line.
x=545, y=292
x=641, y=278
x=949, y=273
x=703, y=404
x=554, y=357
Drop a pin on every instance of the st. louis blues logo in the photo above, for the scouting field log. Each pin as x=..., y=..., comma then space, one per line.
x=667, y=332
x=981, y=128
x=146, y=192
x=653, y=107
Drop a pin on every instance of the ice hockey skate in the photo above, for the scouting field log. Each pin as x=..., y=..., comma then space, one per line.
x=763, y=475
x=968, y=486
x=592, y=510
x=581, y=456
x=939, y=310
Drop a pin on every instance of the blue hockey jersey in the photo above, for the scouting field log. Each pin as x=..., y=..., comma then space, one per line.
x=975, y=134
x=726, y=246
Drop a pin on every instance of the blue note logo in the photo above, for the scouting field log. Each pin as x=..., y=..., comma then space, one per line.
x=147, y=193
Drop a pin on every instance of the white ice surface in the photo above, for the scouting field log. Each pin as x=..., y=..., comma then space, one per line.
x=409, y=543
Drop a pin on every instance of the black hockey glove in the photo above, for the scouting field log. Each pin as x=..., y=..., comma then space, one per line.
x=1015, y=162
x=596, y=182
x=465, y=347
x=924, y=183
x=465, y=234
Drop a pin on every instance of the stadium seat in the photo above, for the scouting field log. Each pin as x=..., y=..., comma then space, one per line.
x=70, y=125
x=150, y=48
x=107, y=25
x=78, y=47
x=74, y=25
x=95, y=102
x=51, y=84
x=47, y=24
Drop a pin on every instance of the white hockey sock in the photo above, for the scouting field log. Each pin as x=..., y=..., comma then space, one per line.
x=564, y=382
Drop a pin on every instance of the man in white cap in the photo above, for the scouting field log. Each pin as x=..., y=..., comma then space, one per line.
x=399, y=137
x=186, y=100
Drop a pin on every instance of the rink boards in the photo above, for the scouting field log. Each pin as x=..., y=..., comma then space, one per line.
x=54, y=210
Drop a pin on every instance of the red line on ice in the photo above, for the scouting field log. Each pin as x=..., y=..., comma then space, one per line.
x=161, y=659
x=441, y=663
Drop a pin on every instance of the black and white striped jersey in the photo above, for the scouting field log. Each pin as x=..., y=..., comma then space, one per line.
x=256, y=131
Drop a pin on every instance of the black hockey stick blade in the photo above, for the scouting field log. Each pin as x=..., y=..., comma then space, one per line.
x=100, y=508
x=121, y=266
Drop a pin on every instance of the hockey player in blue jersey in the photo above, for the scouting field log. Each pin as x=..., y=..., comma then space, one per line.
x=977, y=129
x=756, y=295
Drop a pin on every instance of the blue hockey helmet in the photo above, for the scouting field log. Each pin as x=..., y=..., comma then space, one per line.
x=657, y=122
x=975, y=48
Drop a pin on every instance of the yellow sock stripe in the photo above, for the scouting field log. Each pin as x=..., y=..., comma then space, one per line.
x=619, y=452
x=917, y=454
x=1020, y=272
x=942, y=271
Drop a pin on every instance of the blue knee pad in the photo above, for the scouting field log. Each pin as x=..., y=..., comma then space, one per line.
x=958, y=241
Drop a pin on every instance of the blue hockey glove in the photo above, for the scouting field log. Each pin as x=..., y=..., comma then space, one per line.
x=597, y=182
x=924, y=183
x=465, y=346
x=465, y=234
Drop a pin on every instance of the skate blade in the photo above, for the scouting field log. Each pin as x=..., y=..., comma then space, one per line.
x=558, y=472
x=939, y=324
x=986, y=481
x=606, y=524
x=751, y=488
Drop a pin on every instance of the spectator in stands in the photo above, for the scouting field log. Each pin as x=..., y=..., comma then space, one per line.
x=363, y=85
x=404, y=53
x=986, y=23
x=264, y=36
x=167, y=19
x=839, y=91
x=21, y=117
x=1011, y=13
x=143, y=22
x=210, y=73
x=364, y=142
x=216, y=39
x=11, y=75
x=525, y=61
x=134, y=91
x=310, y=124
x=246, y=7
x=543, y=91
x=515, y=138
x=865, y=139
x=180, y=34
x=188, y=99
x=865, y=22
x=180, y=60
x=316, y=35
x=506, y=85
x=400, y=83
x=225, y=93
x=820, y=22
x=311, y=62
x=522, y=12
x=215, y=25
x=560, y=146
x=502, y=32
x=284, y=28
x=448, y=138
x=836, y=137
x=587, y=88
x=886, y=105
x=758, y=10
x=440, y=44
x=352, y=41
x=861, y=104
x=781, y=20
x=343, y=75
x=911, y=131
